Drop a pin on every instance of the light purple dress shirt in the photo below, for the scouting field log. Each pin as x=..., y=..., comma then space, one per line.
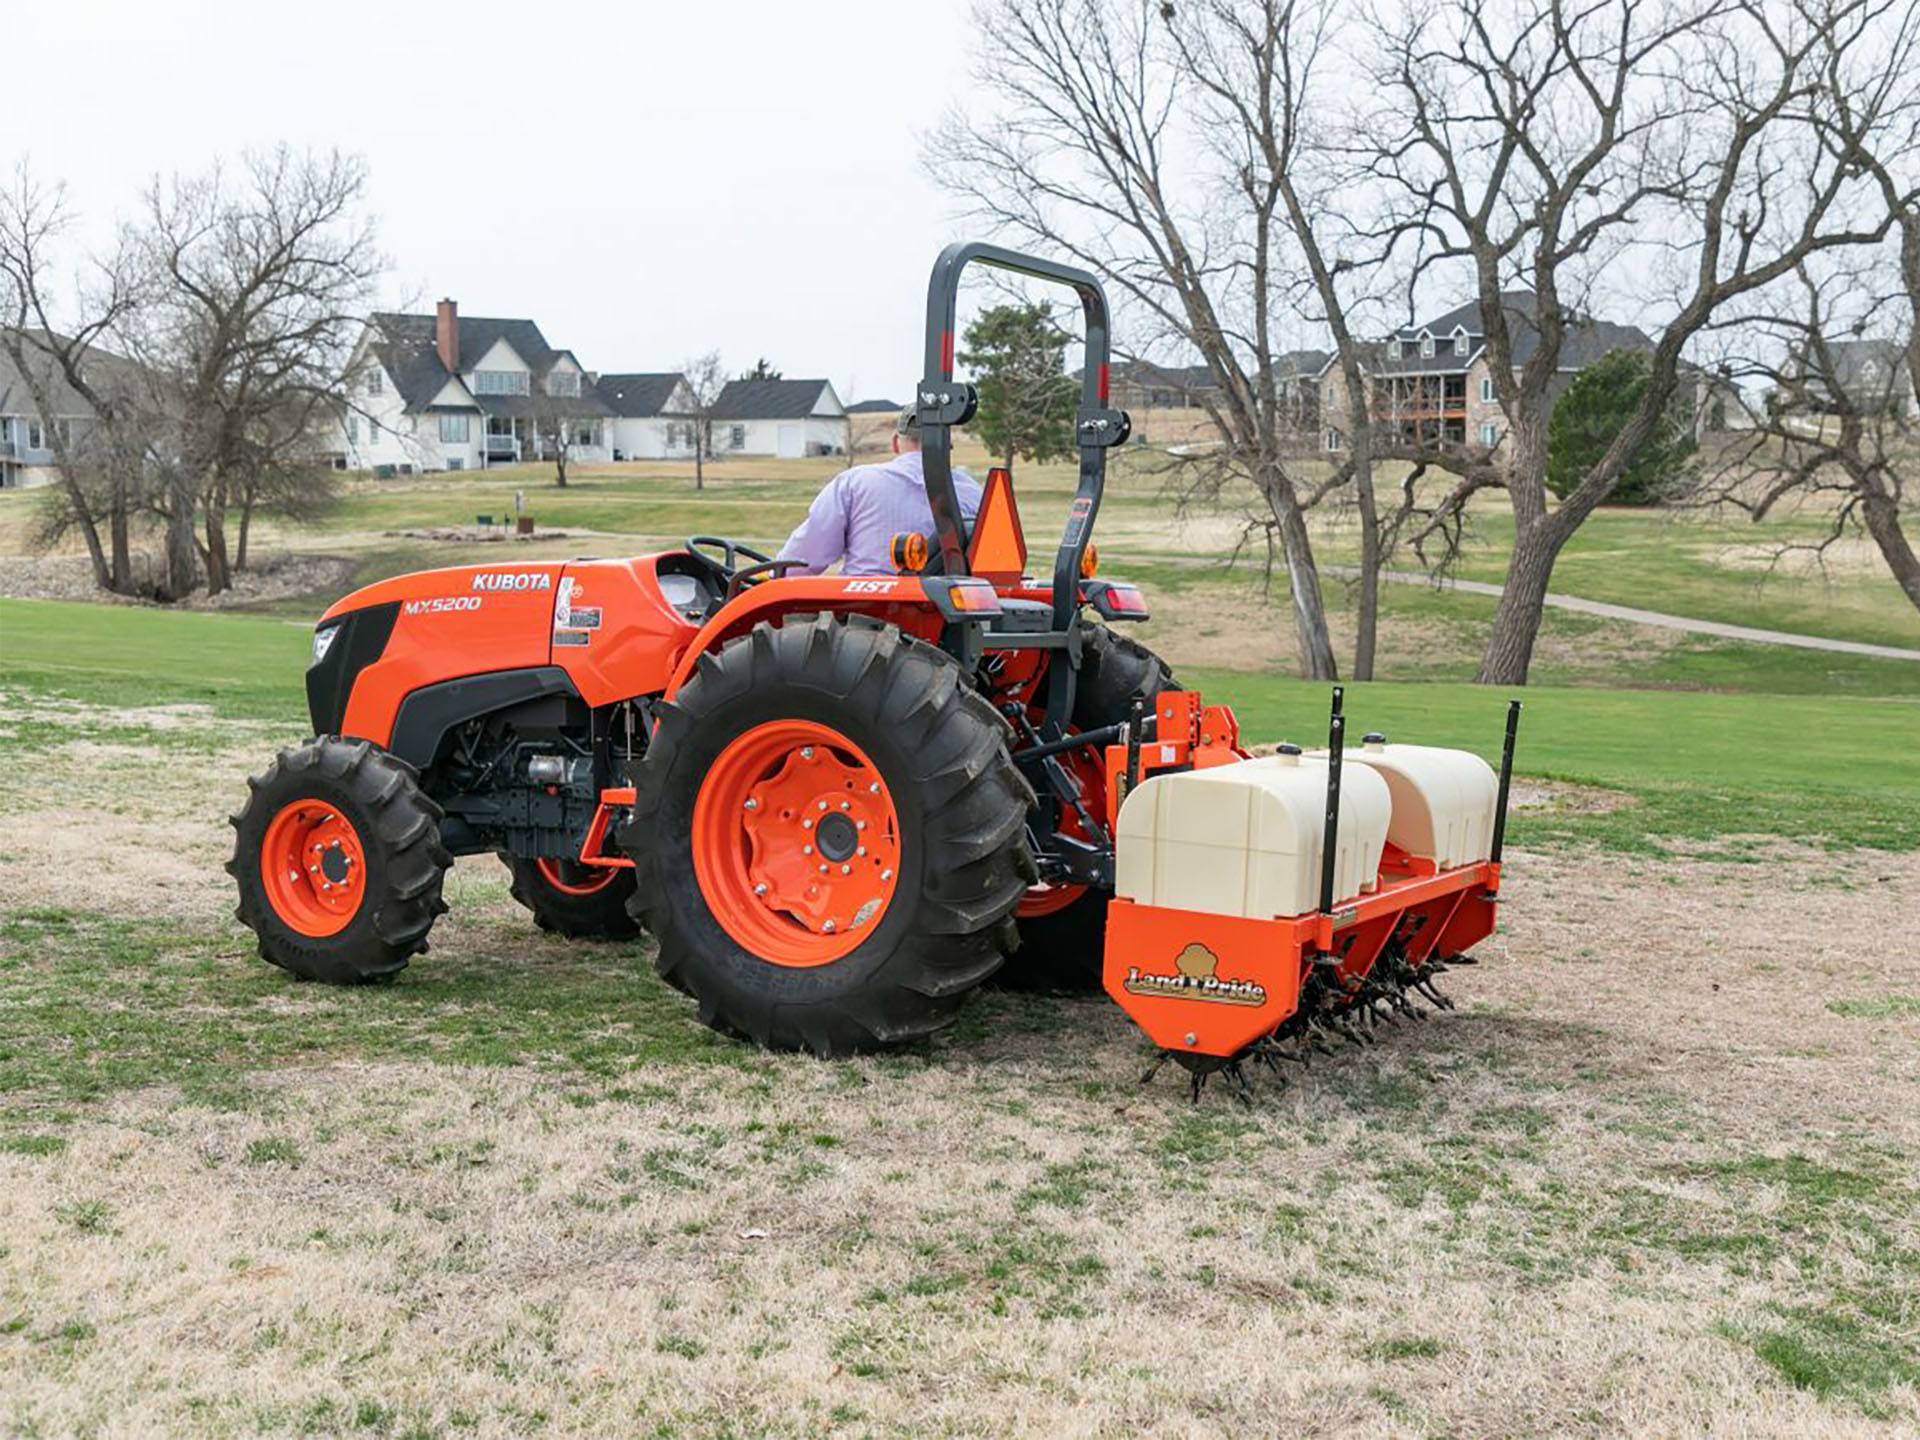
x=858, y=512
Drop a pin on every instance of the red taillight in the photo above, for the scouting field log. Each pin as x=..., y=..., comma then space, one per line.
x=1126, y=600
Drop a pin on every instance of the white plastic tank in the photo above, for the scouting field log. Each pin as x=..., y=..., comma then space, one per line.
x=1246, y=839
x=1443, y=800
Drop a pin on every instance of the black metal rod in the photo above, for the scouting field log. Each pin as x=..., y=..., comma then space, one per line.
x=1506, y=780
x=1135, y=727
x=1330, y=843
x=1105, y=735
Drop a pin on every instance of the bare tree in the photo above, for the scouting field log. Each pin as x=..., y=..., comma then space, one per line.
x=1258, y=66
x=260, y=286
x=1537, y=144
x=1082, y=155
x=706, y=378
x=99, y=463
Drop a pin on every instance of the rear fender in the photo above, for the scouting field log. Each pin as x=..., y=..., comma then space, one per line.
x=899, y=600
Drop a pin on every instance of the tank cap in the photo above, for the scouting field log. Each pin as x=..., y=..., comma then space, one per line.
x=1288, y=752
x=1373, y=737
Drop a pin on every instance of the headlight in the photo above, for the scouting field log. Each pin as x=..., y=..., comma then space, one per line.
x=323, y=639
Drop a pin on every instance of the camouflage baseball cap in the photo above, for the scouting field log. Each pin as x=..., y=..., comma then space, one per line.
x=908, y=422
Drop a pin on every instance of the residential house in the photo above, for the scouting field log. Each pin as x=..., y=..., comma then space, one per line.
x=1432, y=384
x=785, y=418
x=452, y=392
x=1140, y=385
x=1871, y=374
x=652, y=415
x=875, y=407
x=27, y=436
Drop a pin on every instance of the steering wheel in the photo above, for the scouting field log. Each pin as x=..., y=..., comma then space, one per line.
x=728, y=572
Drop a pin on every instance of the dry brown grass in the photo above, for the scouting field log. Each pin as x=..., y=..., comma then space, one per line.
x=1671, y=1119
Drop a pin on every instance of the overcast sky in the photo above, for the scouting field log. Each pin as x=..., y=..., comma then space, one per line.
x=646, y=181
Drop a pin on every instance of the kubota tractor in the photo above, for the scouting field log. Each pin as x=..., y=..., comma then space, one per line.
x=839, y=804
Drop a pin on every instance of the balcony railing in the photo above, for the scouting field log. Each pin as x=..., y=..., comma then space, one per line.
x=1421, y=410
x=499, y=445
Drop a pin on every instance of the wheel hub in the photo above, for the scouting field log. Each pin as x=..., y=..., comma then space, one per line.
x=797, y=846
x=313, y=868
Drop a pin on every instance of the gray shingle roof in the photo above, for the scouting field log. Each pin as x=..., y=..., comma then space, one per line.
x=1585, y=341
x=1867, y=371
x=404, y=344
x=768, y=399
x=874, y=407
x=102, y=368
x=638, y=396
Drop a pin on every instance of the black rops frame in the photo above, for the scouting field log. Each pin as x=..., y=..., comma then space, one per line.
x=943, y=404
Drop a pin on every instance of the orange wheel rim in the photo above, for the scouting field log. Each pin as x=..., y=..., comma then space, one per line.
x=586, y=879
x=313, y=868
x=796, y=843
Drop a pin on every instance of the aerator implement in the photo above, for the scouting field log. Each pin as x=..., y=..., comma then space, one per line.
x=841, y=803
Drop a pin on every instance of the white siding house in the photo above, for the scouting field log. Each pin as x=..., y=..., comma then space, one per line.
x=785, y=418
x=652, y=415
x=447, y=392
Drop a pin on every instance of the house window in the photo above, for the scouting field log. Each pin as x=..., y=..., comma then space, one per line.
x=737, y=437
x=564, y=382
x=1486, y=389
x=1489, y=435
x=36, y=436
x=1335, y=440
x=1393, y=350
x=375, y=381
x=456, y=462
x=500, y=382
x=373, y=431
x=1426, y=345
x=453, y=429
x=353, y=430
x=583, y=435
x=1460, y=344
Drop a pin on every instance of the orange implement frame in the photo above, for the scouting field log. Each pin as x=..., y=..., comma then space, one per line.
x=1214, y=984
x=593, y=845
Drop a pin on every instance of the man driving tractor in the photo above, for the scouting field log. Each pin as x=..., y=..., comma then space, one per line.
x=858, y=512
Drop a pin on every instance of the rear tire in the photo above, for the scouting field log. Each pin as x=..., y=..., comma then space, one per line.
x=579, y=901
x=1061, y=951
x=338, y=860
x=849, y=708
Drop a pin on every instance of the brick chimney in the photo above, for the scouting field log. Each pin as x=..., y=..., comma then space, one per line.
x=446, y=335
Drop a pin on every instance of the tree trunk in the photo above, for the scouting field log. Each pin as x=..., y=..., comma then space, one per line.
x=1309, y=610
x=699, y=465
x=90, y=532
x=246, y=530
x=219, y=571
x=182, y=559
x=1365, y=641
x=1883, y=523
x=560, y=467
x=1523, y=603
x=118, y=529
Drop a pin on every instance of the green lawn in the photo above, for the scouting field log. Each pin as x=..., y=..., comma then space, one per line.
x=1838, y=770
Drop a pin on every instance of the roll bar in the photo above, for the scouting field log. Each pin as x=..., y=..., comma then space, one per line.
x=943, y=404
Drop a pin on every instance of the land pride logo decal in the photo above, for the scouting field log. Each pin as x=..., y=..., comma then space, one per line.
x=1194, y=979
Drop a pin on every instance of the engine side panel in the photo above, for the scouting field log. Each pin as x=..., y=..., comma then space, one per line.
x=615, y=632
x=452, y=623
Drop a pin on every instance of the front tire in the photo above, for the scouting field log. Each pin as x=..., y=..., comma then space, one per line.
x=338, y=860
x=829, y=837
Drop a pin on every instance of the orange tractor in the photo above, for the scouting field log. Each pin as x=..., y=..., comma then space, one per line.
x=841, y=803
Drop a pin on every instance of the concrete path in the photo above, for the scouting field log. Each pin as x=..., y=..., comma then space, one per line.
x=1654, y=617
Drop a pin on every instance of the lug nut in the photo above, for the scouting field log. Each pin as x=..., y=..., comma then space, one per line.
x=823, y=869
x=823, y=804
x=886, y=874
x=859, y=849
x=859, y=824
x=874, y=788
x=846, y=869
x=846, y=804
x=806, y=849
x=806, y=824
